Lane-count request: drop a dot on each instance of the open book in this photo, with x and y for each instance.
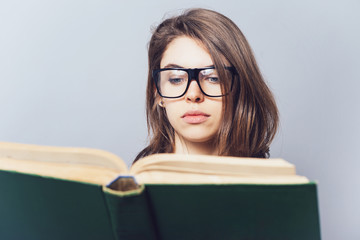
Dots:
(78, 193)
(101, 167)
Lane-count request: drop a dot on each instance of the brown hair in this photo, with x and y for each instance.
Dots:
(250, 115)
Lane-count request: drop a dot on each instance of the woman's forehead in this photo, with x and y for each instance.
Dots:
(186, 52)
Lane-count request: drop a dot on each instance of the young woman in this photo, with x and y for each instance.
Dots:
(205, 93)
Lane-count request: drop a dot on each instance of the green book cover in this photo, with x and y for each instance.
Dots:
(236, 211)
(34, 207)
(46, 205)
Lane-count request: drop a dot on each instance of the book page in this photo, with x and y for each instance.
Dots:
(80, 164)
(84, 156)
(66, 171)
(177, 168)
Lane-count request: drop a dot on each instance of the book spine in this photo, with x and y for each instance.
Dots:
(130, 214)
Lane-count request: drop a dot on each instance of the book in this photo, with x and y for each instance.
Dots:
(77, 193)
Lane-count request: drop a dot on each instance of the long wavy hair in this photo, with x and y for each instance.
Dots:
(250, 116)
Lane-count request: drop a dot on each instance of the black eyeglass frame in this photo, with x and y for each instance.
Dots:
(193, 74)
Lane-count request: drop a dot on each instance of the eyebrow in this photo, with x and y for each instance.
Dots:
(172, 65)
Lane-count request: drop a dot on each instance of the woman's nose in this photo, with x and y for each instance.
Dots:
(194, 94)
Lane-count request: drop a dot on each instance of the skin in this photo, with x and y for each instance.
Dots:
(191, 138)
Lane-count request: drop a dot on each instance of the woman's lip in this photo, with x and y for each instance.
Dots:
(195, 117)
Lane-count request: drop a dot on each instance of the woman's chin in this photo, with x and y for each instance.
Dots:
(199, 139)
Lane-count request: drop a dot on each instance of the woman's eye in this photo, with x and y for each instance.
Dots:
(213, 80)
(176, 81)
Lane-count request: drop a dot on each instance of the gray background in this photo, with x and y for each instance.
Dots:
(73, 73)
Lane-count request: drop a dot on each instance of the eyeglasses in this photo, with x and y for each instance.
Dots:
(174, 82)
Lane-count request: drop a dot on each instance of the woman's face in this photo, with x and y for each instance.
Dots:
(194, 116)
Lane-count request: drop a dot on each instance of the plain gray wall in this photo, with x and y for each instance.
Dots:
(73, 73)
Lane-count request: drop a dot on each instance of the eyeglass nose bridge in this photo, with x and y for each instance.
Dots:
(193, 75)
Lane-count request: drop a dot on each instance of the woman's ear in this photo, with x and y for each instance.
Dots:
(159, 100)
(161, 103)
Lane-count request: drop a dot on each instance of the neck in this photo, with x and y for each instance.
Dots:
(183, 146)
